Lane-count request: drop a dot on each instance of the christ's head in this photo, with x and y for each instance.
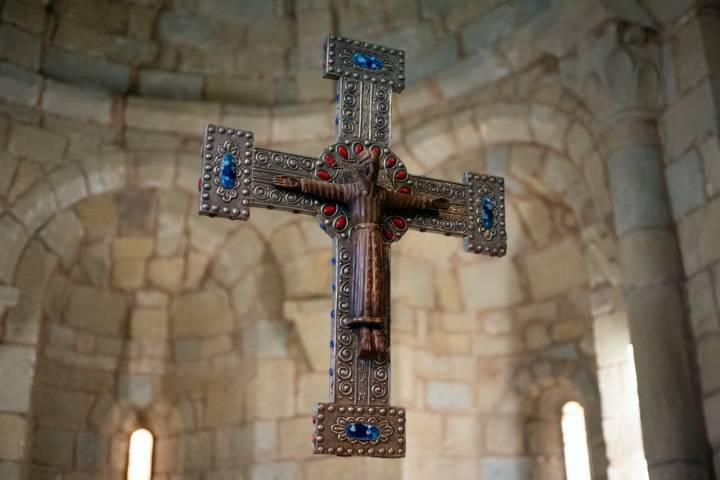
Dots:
(369, 168)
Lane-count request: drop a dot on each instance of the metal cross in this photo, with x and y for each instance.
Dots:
(236, 175)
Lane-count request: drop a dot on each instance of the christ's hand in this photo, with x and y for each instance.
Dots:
(439, 203)
(286, 181)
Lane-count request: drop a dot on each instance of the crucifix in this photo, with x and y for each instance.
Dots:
(362, 195)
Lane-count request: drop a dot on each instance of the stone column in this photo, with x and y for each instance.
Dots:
(620, 79)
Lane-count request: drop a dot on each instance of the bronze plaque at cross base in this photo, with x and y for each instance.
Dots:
(364, 198)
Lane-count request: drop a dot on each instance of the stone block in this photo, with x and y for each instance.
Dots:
(12, 441)
(132, 247)
(224, 406)
(504, 435)
(106, 172)
(13, 238)
(691, 117)
(463, 436)
(431, 425)
(199, 451)
(479, 294)
(649, 256)
(18, 85)
(99, 216)
(18, 370)
(569, 269)
(27, 15)
(448, 396)
(180, 118)
(187, 350)
(128, 273)
(149, 323)
(638, 189)
(68, 183)
(710, 150)
(269, 339)
(173, 207)
(157, 83)
(166, 272)
(481, 69)
(79, 103)
(232, 264)
(711, 405)
(54, 447)
(19, 47)
(136, 389)
(11, 470)
(689, 60)
(63, 235)
(433, 60)
(412, 282)
(506, 468)
(188, 30)
(31, 142)
(271, 393)
(293, 434)
(685, 183)
(708, 362)
(275, 471)
(96, 310)
(91, 450)
(85, 70)
(487, 30)
(201, 314)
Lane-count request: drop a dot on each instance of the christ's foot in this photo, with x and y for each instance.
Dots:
(378, 341)
(366, 349)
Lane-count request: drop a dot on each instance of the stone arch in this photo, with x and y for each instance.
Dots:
(545, 386)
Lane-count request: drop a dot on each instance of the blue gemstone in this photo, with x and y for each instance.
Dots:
(333, 260)
(334, 287)
(228, 171)
(332, 313)
(330, 372)
(337, 120)
(362, 431)
(488, 213)
(371, 62)
(332, 343)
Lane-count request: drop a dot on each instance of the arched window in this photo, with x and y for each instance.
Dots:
(577, 460)
(140, 455)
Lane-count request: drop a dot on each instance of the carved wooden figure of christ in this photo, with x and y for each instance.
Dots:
(364, 198)
(366, 201)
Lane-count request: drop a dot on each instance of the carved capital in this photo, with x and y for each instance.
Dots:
(617, 71)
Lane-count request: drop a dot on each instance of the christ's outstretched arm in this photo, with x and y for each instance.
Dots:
(402, 201)
(327, 191)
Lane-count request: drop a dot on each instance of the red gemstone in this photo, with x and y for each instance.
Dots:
(323, 175)
(330, 160)
(341, 222)
(358, 147)
(388, 234)
(376, 150)
(401, 175)
(329, 209)
(314, 419)
(405, 189)
(199, 184)
(399, 223)
(391, 161)
(343, 151)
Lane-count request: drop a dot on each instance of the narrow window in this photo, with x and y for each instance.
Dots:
(140, 455)
(577, 460)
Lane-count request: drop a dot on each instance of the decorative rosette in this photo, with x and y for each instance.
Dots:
(393, 228)
(334, 218)
(341, 426)
(398, 174)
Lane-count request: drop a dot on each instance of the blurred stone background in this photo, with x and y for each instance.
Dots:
(120, 307)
